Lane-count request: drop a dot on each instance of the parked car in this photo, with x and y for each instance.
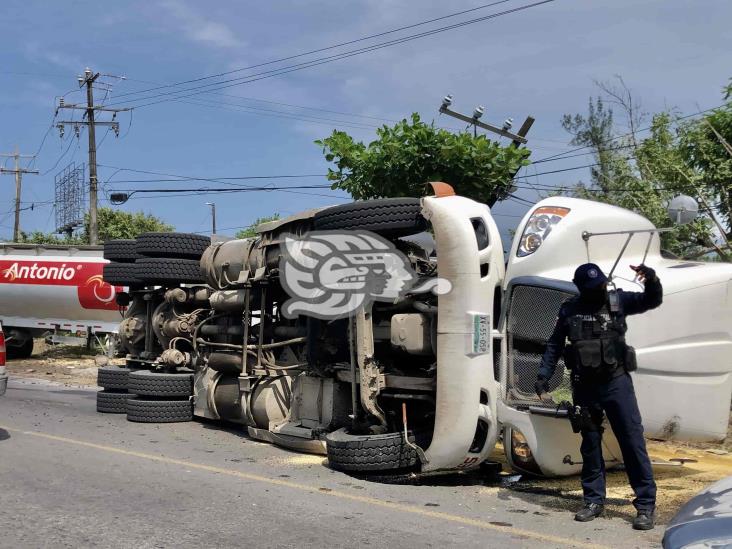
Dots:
(3, 374)
(704, 521)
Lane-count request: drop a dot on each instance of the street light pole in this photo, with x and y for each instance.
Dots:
(213, 216)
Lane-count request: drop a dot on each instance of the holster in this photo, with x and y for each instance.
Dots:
(582, 419)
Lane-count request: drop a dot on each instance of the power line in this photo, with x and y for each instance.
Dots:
(239, 177)
(283, 70)
(181, 178)
(291, 105)
(319, 50)
(281, 114)
(618, 148)
(208, 190)
(561, 156)
(566, 169)
(222, 190)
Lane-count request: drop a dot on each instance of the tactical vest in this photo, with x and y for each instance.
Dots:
(597, 343)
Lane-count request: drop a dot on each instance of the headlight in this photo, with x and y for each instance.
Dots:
(519, 447)
(537, 229)
(521, 456)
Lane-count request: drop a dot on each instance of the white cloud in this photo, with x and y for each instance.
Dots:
(36, 52)
(199, 29)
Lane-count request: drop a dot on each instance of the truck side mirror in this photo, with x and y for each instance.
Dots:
(682, 209)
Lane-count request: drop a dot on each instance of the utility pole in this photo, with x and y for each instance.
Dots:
(517, 138)
(18, 171)
(213, 216)
(90, 109)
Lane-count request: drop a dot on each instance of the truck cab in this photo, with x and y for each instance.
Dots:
(684, 348)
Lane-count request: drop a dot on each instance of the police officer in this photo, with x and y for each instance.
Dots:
(594, 323)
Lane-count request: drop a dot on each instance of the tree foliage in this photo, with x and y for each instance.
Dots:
(111, 224)
(412, 153)
(251, 230)
(678, 157)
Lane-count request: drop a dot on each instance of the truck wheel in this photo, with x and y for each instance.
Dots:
(112, 377)
(391, 217)
(120, 250)
(121, 274)
(17, 352)
(388, 452)
(159, 411)
(112, 402)
(168, 271)
(181, 245)
(156, 384)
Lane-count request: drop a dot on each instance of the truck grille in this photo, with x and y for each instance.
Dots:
(532, 313)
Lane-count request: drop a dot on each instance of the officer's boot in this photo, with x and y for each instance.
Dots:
(589, 512)
(644, 520)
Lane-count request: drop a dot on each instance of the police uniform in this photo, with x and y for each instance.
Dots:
(599, 359)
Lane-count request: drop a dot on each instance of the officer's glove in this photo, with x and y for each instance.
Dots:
(541, 386)
(645, 273)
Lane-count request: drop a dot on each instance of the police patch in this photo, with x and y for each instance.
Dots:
(592, 273)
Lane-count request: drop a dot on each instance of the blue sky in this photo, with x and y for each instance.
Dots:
(541, 61)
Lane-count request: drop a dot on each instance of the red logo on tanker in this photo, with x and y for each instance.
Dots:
(92, 291)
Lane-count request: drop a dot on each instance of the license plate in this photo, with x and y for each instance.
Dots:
(481, 337)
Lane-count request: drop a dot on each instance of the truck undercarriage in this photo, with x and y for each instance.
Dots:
(348, 386)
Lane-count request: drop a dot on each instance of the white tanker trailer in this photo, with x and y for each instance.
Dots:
(49, 288)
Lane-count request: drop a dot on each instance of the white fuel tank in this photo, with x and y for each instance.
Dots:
(56, 287)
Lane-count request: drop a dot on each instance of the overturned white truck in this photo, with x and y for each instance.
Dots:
(423, 381)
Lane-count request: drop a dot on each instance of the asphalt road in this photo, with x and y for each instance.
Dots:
(71, 477)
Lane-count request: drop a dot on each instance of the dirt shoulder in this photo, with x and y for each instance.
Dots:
(70, 365)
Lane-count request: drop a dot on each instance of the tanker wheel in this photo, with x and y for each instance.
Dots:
(180, 245)
(165, 272)
(154, 384)
(390, 217)
(371, 453)
(120, 250)
(121, 274)
(24, 350)
(159, 411)
(112, 402)
(112, 377)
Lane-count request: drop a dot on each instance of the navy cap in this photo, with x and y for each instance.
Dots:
(589, 276)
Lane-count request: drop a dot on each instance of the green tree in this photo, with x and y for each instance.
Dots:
(251, 230)
(410, 154)
(706, 148)
(119, 224)
(112, 224)
(642, 174)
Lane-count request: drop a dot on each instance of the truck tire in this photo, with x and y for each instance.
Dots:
(121, 274)
(110, 402)
(18, 352)
(370, 453)
(159, 411)
(112, 377)
(154, 384)
(180, 245)
(392, 217)
(174, 271)
(120, 250)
